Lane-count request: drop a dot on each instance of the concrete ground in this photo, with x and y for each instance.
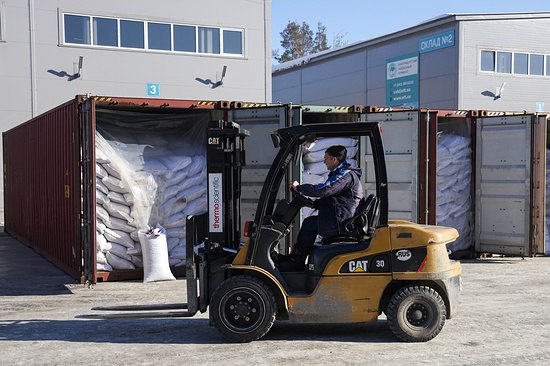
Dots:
(504, 320)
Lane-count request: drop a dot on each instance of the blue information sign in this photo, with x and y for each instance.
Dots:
(153, 90)
(402, 81)
(437, 41)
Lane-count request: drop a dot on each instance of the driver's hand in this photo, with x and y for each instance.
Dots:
(293, 185)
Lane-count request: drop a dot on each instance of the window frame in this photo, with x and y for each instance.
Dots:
(494, 60)
(117, 32)
(222, 41)
(545, 63)
(2, 21)
(196, 27)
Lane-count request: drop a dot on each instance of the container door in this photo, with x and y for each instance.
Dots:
(88, 228)
(503, 185)
(259, 152)
(541, 242)
(400, 131)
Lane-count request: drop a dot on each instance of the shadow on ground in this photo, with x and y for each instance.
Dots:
(178, 331)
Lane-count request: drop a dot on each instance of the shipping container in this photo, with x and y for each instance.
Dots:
(430, 167)
(510, 185)
(54, 199)
(483, 169)
(50, 170)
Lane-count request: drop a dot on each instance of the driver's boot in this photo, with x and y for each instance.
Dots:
(294, 262)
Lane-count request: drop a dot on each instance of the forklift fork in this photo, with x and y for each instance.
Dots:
(195, 235)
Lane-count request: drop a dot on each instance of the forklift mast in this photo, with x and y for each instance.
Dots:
(225, 158)
(219, 228)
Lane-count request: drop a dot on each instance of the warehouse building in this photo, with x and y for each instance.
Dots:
(206, 50)
(456, 61)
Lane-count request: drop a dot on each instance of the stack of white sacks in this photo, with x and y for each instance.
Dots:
(133, 191)
(315, 171)
(454, 171)
(547, 216)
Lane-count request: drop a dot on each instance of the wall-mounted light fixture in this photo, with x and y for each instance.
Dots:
(220, 82)
(77, 74)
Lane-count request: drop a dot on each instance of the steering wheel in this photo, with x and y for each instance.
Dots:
(305, 200)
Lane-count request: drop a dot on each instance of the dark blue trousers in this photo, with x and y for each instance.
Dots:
(307, 235)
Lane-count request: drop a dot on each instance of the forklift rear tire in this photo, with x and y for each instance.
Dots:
(243, 309)
(416, 313)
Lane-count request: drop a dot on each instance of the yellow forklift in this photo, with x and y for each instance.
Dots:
(375, 266)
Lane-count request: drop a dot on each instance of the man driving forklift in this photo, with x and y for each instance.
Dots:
(338, 196)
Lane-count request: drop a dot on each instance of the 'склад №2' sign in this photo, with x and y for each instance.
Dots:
(437, 41)
(402, 81)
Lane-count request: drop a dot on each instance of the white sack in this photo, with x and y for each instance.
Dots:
(119, 250)
(177, 220)
(118, 198)
(323, 144)
(100, 186)
(104, 267)
(100, 226)
(119, 224)
(100, 257)
(178, 252)
(196, 207)
(155, 258)
(112, 171)
(101, 157)
(179, 233)
(192, 193)
(102, 214)
(120, 237)
(119, 263)
(316, 168)
(118, 210)
(101, 243)
(136, 250)
(100, 197)
(172, 206)
(114, 184)
(100, 171)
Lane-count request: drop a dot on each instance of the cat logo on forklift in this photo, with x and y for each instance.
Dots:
(358, 266)
(213, 141)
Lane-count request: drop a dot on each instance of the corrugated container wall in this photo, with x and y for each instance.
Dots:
(42, 186)
(50, 172)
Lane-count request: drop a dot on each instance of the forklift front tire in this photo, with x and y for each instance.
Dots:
(416, 313)
(243, 309)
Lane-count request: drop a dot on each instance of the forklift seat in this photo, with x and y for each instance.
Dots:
(361, 225)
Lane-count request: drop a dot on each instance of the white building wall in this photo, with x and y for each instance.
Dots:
(521, 92)
(35, 65)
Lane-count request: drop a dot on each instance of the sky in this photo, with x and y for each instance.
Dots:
(359, 20)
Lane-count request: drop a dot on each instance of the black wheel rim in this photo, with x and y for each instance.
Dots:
(419, 314)
(242, 309)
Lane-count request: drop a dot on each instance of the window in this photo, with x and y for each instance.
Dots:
(536, 64)
(504, 62)
(131, 34)
(77, 29)
(232, 42)
(185, 38)
(548, 65)
(209, 40)
(105, 32)
(521, 63)
(100, 31)
(487, 61)
(159, 36)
